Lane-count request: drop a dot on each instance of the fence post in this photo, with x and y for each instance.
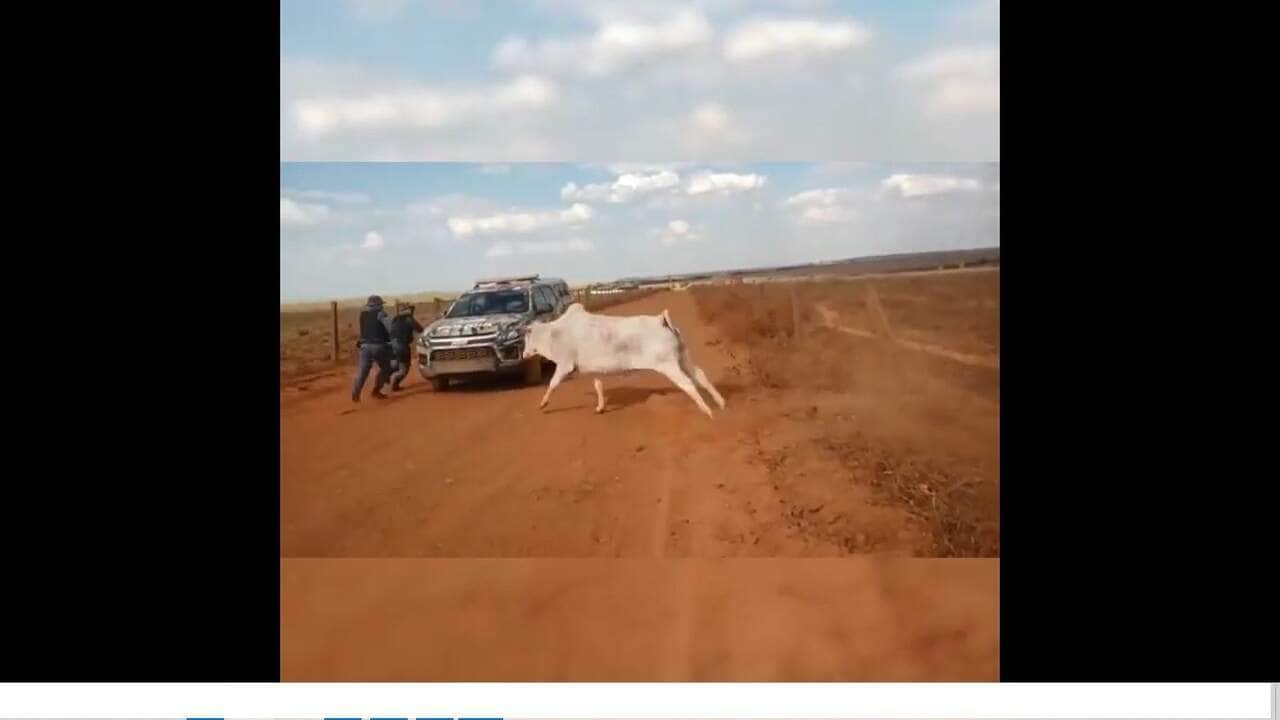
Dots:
(333, 310)
(795, 314)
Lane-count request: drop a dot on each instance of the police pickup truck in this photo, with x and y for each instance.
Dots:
(480, 333)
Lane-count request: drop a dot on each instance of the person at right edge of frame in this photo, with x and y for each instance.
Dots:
(403, 326)
(375, 348)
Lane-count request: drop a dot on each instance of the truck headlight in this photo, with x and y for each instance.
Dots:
(510, 335)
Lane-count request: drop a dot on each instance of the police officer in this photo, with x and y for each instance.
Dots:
(403, 326)
(375, 347)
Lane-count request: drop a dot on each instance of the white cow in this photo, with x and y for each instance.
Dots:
(607, 345)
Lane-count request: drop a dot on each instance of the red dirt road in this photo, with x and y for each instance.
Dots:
(532, 620)
(482, 472)
(467, 535)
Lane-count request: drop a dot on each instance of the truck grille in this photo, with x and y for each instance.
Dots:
(473, 353)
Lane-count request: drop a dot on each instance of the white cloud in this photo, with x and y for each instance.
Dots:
(837, 167)
(301, 214)
(372, 241)
(660, 92)
(950, 62)
(766, 37)
(710, 129)
(519, 222)
(724, 183)
(628, 186)
(539, 247)
(959, 80)
(909, 185)
(377, 10)
(823, 206)
(335, 197)
(981, 17)
(420, 108)
(622, 168)
(676, 231)
(832, 214)
(669, 202)
(451, 204)
(821, 196)
(843, 211)
(424, 209)
(710, 118)
(602, 12)
(616, 45)
(495, 169)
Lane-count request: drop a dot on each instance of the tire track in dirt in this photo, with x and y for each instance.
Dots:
(662, 518)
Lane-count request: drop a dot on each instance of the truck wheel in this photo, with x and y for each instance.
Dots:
(533, 371)
(439, 384)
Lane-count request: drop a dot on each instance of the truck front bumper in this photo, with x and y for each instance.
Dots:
(469, 360)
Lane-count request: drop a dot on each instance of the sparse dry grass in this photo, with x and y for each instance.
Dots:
(960, 511)
(771, 319)
(924, 411)
(306, 338)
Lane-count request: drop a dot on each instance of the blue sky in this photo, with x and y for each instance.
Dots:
(351, 229)
(451, 40)
(586, 80)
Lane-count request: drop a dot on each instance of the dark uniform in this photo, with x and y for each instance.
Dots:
(402, 329)
(375, 347)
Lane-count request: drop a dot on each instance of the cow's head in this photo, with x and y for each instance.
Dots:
(535, 340)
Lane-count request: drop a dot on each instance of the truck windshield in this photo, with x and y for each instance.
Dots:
(489, 303)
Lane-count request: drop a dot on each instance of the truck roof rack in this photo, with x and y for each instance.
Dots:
(493, 282)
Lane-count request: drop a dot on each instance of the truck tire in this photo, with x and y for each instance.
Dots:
(533, 371)
(439, 384)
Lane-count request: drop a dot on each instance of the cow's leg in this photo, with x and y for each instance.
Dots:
(562, 369)
(686, 364)
(599, 395)
(682, 381)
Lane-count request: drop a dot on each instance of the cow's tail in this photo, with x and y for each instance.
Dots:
(666, 320)
(693, 372)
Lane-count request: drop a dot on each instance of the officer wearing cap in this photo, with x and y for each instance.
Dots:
(403, 326)
(375, 347)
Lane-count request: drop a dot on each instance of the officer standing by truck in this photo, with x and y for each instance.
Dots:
(375, 347)
(403, 326)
